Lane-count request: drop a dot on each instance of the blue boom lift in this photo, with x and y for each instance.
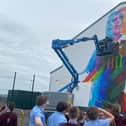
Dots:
(103, 47)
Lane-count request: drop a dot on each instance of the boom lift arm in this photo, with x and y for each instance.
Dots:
(102, 48)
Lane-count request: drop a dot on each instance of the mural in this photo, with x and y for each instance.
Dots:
(108, 73)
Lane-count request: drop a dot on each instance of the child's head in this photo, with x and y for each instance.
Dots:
(74, 113)
(92, 113)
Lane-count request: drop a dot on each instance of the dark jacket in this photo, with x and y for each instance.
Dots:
(69, 124)
(8, 119)
(120, 121)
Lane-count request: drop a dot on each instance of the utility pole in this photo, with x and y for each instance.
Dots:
(32, 93)
(14, 80)
(13, 85)
(33, 83)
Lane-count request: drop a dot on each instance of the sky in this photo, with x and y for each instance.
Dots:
(27, 28)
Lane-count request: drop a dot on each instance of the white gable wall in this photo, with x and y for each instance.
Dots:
(79, 55)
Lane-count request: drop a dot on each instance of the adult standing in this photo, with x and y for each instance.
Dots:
(37, 116)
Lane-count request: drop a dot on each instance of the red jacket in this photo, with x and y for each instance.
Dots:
(120, 121)
(8, 119)
(69, 124)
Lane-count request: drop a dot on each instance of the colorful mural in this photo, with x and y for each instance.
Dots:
(108, 73)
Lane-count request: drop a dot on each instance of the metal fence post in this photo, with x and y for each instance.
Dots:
(22, 118)
(32, 93)
(14, 80)
(33, 83)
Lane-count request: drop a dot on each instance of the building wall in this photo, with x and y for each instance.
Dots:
(79, 55)
(59, 78)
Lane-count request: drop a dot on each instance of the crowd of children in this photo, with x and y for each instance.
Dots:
(69, 115)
